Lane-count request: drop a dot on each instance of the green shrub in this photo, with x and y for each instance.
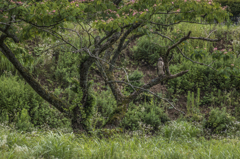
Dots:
(105, 105)
(202, 77)
(148, 114)
(66, 68)
(181, 129)
(23, 121)
(218, 120)
(16, 96)
(147, 50)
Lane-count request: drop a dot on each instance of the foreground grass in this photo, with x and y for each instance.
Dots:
(48, 144)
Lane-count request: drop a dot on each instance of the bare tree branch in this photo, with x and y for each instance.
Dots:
(53, 47)
(177, 43)
(148, 92)
(8, 34)
(60, 37)
(154, 82)
(183, 53)
(180, 22)
(205, 39)
(120, 45)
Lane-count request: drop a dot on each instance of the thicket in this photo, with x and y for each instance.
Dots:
(218, 120)
(20, 104)
(144, 116)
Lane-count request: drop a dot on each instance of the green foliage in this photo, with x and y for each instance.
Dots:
(181, 129)
(148, 114)
(16, 96)
(201, 77)
(4, 117)
(66, 68)
(150, 49)
(192, 103)
(233, 6)
(146, 50)
(218, 120)
(105, 105)
(23, 121)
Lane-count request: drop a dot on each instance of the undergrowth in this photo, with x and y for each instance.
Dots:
(181, 141)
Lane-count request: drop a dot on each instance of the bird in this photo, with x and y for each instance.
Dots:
(160, 67)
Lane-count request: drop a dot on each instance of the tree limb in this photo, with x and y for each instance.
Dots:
(51, 98)
(120, 45)
(183, 53)
(148, 92)
(154, 82)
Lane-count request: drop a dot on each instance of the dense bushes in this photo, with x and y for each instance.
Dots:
(16, 97)
(201, 77)
(218, 120)
(105, 105)
(145, 115)
(149, 49)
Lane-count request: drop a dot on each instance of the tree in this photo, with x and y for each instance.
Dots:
(118, 22)
(232, 6)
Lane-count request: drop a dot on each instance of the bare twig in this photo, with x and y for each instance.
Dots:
(53, 47)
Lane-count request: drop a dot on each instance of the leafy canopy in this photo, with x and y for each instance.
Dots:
(104, 14)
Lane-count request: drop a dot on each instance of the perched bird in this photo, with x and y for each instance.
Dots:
(160, 67)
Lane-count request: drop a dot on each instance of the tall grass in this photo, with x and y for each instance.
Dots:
(49, 144)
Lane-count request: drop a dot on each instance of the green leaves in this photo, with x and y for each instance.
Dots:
(199, 54)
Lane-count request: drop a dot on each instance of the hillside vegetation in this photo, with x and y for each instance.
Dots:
(88, 88)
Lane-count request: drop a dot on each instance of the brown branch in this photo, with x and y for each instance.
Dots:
(131, 39)
(8, 34)
(165, 58)
(180, 22)
(148, 92)
(60, 37)
(120, 45)
(205, 39)
(154, 82)
(179, 42)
